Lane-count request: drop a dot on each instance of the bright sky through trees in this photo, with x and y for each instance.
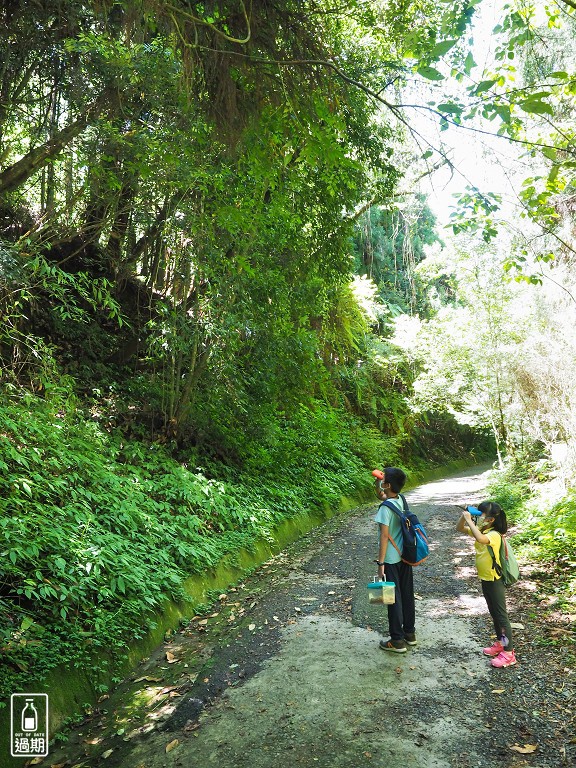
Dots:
(479, 156)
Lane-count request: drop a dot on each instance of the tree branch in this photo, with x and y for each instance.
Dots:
(213, 27)
(15, 175)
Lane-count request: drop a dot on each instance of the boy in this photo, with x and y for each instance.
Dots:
(402, 614)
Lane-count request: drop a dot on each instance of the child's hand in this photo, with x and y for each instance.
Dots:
(467, 516)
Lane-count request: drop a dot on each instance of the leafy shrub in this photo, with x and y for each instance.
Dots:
(548, 527)
(95, 531)
(554, 530)
(373, 448)
(513, 486)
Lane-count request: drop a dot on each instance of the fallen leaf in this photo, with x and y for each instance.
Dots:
(106, 754)
(213, 615)
(398, 670)
(251, 627)
(172, 745)
(170, 658)
(516, 625)
(499, 690)
(203, 623)
(527, 749)
(149, 679)
(222, 597)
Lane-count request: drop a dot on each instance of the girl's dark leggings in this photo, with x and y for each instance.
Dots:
(495, 594)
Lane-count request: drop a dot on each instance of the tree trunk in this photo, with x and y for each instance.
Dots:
(120, 223)
(14, 176)
(147, 240)
(197, 365)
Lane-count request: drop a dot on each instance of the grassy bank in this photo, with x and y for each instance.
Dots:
(97, 532)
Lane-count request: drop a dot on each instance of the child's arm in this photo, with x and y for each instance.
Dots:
(467, 525)
(462, 526)
(382, 549)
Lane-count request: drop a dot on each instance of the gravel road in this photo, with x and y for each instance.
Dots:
(285, 668)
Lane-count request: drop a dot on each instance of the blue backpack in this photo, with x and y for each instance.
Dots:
(414, 537)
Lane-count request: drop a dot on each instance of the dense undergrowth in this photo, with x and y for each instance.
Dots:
(97, 530)
(544, 513)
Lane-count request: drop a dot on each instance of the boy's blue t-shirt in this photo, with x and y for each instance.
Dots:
(386, 516)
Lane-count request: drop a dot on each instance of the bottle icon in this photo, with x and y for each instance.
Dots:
(29, 717)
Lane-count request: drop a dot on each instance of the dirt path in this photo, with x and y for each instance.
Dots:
(285, 669)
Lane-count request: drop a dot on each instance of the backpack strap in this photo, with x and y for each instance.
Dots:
(497, 567)
(395, 509)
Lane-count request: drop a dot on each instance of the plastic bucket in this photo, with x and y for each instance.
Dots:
(381, 592)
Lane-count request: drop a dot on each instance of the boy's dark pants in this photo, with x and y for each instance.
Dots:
(401, 615)
(495, 594)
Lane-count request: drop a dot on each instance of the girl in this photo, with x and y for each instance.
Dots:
(488, 531)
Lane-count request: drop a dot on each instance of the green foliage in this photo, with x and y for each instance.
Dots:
(553, 529)
(475, 213)
(190, 359)
(96, 531)
(512, 487)
(526, 490)
(388, 245)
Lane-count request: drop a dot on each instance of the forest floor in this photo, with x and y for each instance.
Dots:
(285, 668)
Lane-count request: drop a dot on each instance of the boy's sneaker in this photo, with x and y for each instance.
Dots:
(504, 659)
(410, 638)
(494, 650)
(396, 646)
